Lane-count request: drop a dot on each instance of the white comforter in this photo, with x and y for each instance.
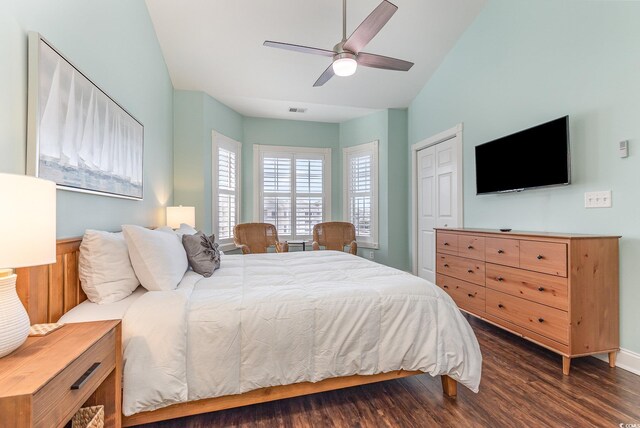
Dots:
(274, 319)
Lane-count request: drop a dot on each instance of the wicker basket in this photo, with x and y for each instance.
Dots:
(89, 417)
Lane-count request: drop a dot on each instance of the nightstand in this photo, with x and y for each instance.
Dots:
(45, 381)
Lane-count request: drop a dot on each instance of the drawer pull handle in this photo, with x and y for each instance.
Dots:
(471, 295)
(446, 244)
(85, 377)
(540, 288)
(470, 247)
(445, 286)
(540, 257)
(500, 251)
(540, 319)
(469, 270)
(500, 278)
(500, 305)
(446, 265)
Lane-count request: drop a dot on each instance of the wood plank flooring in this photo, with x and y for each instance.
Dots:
(522, 386)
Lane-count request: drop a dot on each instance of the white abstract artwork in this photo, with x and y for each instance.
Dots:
(81, 138)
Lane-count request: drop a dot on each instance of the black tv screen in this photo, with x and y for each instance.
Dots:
(535, 157)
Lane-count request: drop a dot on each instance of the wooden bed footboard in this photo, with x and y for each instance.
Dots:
(50, 291)
(264, 395)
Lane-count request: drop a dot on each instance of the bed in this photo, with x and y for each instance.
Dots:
(265, 327)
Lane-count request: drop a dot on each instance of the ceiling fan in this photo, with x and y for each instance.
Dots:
(347, 54)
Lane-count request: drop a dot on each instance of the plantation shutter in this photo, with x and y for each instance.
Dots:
(227, 186)
(277, 192)
(309, 198)
(360, 181)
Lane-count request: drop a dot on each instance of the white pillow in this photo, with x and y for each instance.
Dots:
(158, 257)
(185, 229)
(105, 270)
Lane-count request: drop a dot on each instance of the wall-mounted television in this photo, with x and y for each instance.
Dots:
(536, 157)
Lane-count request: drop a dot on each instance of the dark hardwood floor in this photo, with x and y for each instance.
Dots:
(522, 386)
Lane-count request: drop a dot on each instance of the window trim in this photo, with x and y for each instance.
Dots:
(219, 140)
(372, 147)
(260, 149)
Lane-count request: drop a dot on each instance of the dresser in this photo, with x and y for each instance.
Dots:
(45, 381)
(559, 291)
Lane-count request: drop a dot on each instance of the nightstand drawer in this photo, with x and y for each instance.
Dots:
(54, 403)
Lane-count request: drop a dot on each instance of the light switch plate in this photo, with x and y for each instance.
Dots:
(597, 199)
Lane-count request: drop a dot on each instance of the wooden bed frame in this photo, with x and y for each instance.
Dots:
(49, 291)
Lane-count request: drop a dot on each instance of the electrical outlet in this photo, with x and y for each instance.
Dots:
(597, 199)
(370, 255)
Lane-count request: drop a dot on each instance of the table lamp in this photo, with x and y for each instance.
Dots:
(178, 215)
(28, 238)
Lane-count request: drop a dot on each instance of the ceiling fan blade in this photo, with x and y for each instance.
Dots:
(324, 77)
(384, 62)
(298, 48)
(368, 29)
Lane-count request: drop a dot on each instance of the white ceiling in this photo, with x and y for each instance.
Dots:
(215, 46)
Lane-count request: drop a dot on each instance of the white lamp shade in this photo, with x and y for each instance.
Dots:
(28, 221)
(178, 215)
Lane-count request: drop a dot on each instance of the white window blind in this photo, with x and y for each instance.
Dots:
(294, 188)
(226, 188)
(361, 195)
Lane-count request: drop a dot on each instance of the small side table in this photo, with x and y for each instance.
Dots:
(47, 379)
(299, 243)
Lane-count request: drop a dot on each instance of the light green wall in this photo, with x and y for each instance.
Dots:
(114, 43)
(522, 63)
(196, 115)
(389, 127)
(275, 132)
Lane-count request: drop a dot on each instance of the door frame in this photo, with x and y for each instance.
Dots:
(455, 132)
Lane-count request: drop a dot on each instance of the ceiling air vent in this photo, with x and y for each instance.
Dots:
(297, 110)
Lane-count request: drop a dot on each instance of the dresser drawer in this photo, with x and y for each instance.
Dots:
(446, 242)
(57, 396)
(458, 267)
(546, 289)
(546, 257)
(549, 322)
(466, 295)
(471, 247)
(503, 251)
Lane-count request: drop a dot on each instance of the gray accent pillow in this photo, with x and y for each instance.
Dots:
(202, 253)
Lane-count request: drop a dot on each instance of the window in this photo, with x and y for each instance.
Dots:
(360, 180)
(293, 188)
(226, 188)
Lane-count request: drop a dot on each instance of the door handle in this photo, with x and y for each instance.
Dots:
(500, 252)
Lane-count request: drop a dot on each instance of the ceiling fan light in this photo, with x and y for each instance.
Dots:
(344, 66)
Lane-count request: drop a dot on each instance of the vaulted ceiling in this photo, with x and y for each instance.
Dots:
(215, 46)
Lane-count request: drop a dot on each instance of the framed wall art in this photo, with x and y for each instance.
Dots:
(78, 136)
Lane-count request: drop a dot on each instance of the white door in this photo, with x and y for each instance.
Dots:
(437, 174)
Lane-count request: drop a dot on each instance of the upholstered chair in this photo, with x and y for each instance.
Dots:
(255, 238)
(335, 235)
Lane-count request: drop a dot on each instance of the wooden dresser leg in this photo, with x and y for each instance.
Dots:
(612, 358)
(566, 365)
(449, 386)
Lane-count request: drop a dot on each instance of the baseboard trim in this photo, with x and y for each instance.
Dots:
(626, 360)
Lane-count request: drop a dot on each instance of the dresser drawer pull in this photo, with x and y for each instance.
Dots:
(500, 278)
(540, 288)
(470, 247)
(85, 377)
(446, 265)
(500, 251)
(446, 244)
(540, 319)
(469, 270)
(500, 305)
(445, 286)
(471, 295)
(539, 257)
